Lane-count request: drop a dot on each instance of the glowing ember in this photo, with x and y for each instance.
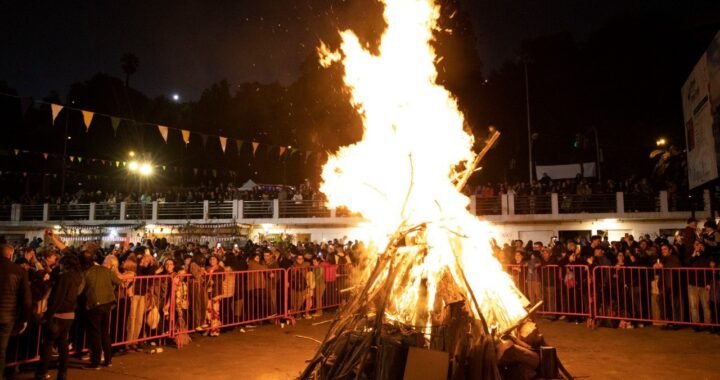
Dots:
(402, 171)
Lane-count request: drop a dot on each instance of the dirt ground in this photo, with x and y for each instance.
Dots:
(270, 352)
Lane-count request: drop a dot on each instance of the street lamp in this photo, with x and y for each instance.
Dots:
(133, 166)
(131, 153)
(145, 169)
(660, 142)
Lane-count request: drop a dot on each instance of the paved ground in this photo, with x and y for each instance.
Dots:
(273, 353)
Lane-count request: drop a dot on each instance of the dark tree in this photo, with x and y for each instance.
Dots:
(130, 63)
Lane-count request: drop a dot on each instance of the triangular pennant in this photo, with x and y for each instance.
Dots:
(79, 159)
(117, 164)
(239, 144)
(214, 173)
(45, 155)
(255, 146)
(115, 121)
(195, 170)
(17, 151)
(185, 136)
(223, 143)
(307, 155)
(87, 118)
(282, 151)
(164, 167)
(55, 109)
(163, 132)
(204, 138)
(72, 158)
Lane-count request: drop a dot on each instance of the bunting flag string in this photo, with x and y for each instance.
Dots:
(87, 118)
(223, 143)
(239, 144)
(163, 132)
(115, 121)
(55, 109)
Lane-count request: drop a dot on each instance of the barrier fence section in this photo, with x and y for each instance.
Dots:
(312, 289)
(680, 296)
(564, 290)
(141, 314)
(149, 308)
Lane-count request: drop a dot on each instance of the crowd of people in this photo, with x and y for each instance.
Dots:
(578, 186)
(211, 192)
(124, 292)
(673, 283)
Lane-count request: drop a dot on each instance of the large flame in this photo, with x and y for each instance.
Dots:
(400, 173)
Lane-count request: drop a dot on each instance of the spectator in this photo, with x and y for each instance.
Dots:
(699, 284)
(15, 301)
(671, 289)
(100, 293)
(60, 315)
(214, 293)
(319, 278)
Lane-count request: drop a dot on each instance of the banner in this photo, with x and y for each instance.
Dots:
(185, 136)
(701, 114)
(87, 118)
(163, 132)
(565, 171)
(223, 143)
(55, 109)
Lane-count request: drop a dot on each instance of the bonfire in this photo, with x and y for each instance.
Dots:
(432, 298)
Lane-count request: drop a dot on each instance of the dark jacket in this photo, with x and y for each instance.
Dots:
(99, 288)
(63, 298)
(15, 296)
(699, 277)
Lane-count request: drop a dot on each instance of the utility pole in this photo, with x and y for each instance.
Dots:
(527, 108)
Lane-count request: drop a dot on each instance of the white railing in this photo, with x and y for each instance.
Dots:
(500, 207)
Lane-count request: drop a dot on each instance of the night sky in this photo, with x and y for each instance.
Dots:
(184, 45)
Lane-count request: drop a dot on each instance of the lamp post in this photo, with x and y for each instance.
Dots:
(142, 170)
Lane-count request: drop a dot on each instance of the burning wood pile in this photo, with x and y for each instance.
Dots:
(434, 303)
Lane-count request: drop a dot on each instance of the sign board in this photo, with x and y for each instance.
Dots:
(701, 114)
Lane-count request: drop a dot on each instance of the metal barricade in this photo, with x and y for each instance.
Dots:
(679, 296)
(69, 211)
(29, 212)
(220, 210)
(533, 204)
(107, 211)
(138, 211)
(564, 290)
(179, 210)
(303, 209)
(312, 289)
(257, 209)
(488, 205)
(587, 203)
(142, 313)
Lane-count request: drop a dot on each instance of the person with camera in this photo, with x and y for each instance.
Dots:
(59, 316)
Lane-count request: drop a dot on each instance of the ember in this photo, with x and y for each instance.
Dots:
(436, 285)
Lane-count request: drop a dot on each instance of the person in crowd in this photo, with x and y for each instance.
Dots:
(689, 235)
(271, 282)
(671, 285)
(699, 280)
(214, 283)
(99, 290)
(198, 292)
(15, 301)
(549, 272)
(319, 278)
(59, 316)
(257, 301)
(533, 279)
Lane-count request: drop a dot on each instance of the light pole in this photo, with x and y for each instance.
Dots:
(527, 108)
(142, 170)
